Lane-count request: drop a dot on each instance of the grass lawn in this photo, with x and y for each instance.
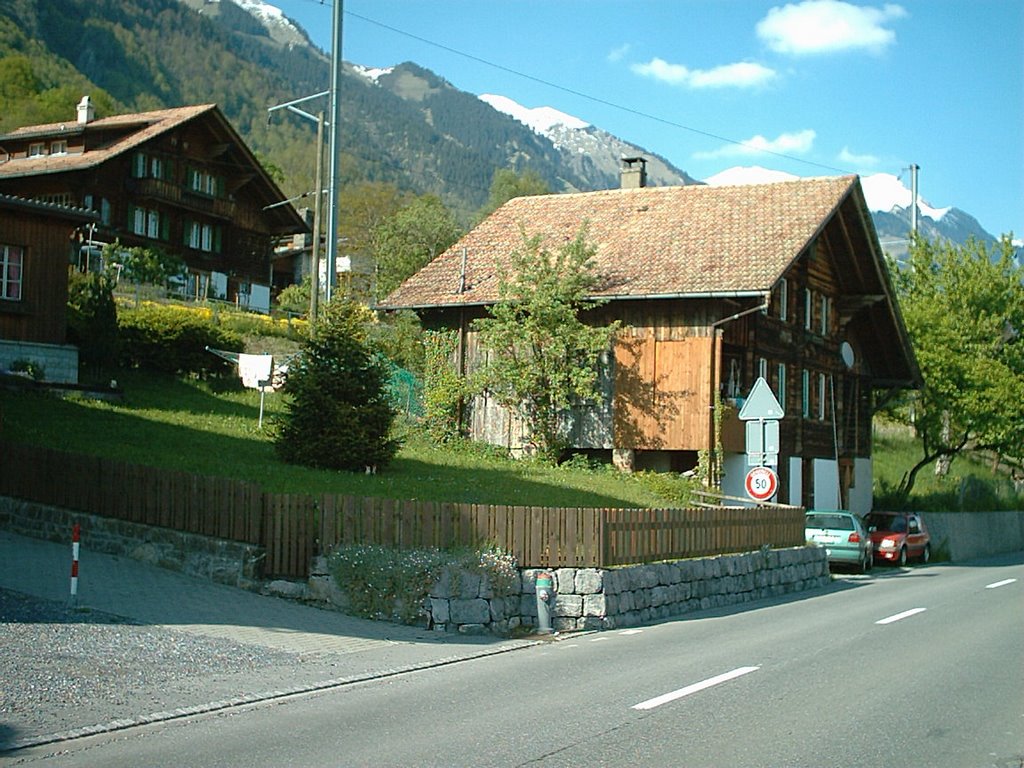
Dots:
(212, 428)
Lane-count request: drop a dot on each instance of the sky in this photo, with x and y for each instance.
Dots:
(818, 87)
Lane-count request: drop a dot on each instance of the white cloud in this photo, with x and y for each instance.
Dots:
(784, 144)
(858, 161)
(826, 26)
(618, 54)
(739, 75)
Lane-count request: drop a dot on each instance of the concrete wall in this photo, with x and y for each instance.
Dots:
(59, 362)
(966, 535)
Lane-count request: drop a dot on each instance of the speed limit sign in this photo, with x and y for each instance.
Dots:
(761, 483)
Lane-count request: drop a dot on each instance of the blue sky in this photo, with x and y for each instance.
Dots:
(813, 88)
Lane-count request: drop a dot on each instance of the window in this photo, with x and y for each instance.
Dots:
(762, 368)
(58, 147)
(203, 237)
(148, 223)
(205, 183)
(784, 300)
(822, 400)
(806, 399)
(824, 315)
(148, 166)
(808, 308)
(780, 384)
(12, 266)
(36, 149)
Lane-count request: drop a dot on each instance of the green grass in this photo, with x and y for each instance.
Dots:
(211, 428)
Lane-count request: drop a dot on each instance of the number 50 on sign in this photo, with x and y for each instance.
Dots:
(761, 483)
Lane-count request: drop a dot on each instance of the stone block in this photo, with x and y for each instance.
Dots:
(595, 605)
(439, 610)
(565, 580)
(472, 611)
(567, 606)
(588, 581)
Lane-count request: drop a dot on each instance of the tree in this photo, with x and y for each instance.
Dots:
(337, 413)
(507, 184)
(543, 358)
(92, 318)
(144, 265)
(964, 310)
(410, 239)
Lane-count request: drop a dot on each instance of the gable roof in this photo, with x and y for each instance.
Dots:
(652, 242)
(109, 137)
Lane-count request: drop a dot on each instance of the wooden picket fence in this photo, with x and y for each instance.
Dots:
(293, 528)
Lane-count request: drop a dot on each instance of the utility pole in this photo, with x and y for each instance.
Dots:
(914, 168)
(332, 210)
(314, 256)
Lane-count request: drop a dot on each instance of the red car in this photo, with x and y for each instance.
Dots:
(899, 536)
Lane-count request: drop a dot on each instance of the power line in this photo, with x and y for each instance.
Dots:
(591, 97)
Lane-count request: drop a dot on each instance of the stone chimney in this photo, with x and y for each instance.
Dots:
(86, 114)
(634, 172)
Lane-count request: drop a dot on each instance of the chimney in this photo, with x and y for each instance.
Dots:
(634, 172)
(86, 113)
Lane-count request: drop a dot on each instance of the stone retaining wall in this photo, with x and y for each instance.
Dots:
(592, 598)
(225, 562)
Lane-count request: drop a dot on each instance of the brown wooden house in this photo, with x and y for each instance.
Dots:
(715, 287)
(37, 241)
(177, 179)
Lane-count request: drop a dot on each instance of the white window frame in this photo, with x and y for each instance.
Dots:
(806, 403)
(12, 259)
(808, 308)
(825, 304)
(784, 300)
(822, 400)
(59, 147)
(780, 384)
(37, 149)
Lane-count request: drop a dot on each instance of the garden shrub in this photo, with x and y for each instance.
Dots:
(92, 318)
(173, 339)
(386, 583)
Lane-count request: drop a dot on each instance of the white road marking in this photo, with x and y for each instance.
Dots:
(998, 584)
(899, 616)
(598, 639)
(657, 701)
(631, 632)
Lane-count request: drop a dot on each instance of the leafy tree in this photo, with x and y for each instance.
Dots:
(92, 318)
(144, 265)
(296, 298)
(544, 358)
(337, 413)
(964, 310)
(410, 239)
(507, 184)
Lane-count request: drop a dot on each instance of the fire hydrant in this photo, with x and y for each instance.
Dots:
(545, 598)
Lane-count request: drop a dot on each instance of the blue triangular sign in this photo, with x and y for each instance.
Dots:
(761, 403)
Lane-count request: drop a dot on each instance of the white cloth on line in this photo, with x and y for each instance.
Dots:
(255, 369)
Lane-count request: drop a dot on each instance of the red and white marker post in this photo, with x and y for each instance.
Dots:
(75, 536)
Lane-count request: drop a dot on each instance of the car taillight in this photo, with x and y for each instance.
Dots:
(854, 538)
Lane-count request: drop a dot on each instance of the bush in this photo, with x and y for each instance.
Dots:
(337, 411)
(385, 583)
(173, 339)
(92, 318)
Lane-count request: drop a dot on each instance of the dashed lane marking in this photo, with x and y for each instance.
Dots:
(900, 616)
(657, 701)
(997, 584)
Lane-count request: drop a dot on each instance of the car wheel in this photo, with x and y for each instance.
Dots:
(926, 555)
(903, 557)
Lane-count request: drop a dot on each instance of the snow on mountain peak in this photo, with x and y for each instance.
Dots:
(540, 119)
(753, 174)
(884, 192)
(265, 12)
(372, 73)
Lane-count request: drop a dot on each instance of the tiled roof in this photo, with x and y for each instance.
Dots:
(136, 129)
(651, 242)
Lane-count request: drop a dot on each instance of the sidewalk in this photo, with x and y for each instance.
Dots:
(323, 648)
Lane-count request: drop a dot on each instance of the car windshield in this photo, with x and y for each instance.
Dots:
(840, 522)
(894, 523)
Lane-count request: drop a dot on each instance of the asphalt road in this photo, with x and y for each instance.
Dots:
(922, 667)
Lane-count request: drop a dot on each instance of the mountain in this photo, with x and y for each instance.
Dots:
(403, 125)
(889, 202)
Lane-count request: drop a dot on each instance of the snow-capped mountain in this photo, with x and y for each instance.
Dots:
(888, 200)
(280, 28)
(589, 151)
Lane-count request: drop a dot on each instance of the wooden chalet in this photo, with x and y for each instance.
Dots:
(37, 240)
(715, 287)
(177, 179)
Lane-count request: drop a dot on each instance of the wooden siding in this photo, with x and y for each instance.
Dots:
(41, 314)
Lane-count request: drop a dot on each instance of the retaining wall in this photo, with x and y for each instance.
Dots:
(593, 598)
(225, 562)
(967, 535)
